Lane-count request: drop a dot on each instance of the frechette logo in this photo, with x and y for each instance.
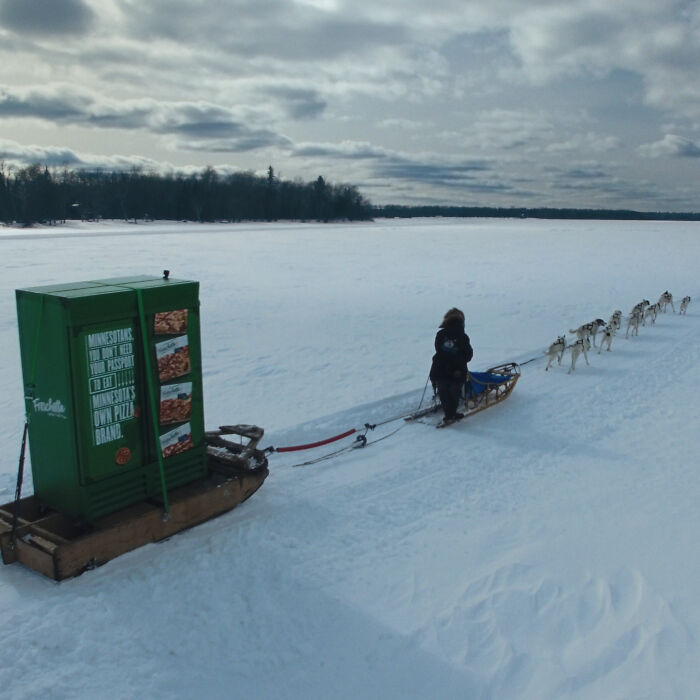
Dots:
(52, 407)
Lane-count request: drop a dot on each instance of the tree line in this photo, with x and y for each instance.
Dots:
(36, 194)
(398, 211)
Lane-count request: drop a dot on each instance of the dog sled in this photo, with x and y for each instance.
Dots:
(57, 546)
(482, 390)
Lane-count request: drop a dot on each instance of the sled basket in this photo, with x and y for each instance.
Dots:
(482, 390)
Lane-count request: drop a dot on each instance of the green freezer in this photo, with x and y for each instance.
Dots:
(113, 376)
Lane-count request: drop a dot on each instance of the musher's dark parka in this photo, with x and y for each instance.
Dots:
(453, 351)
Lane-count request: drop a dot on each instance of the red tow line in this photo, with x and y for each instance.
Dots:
(295, 448)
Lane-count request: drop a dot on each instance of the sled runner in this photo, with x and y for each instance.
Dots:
(59, 547)
(482, 390)
(444, 422)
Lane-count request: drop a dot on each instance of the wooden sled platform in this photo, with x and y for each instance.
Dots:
(484, 389)
(54, 545)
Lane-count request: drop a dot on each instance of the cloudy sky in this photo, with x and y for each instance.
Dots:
(585, 103)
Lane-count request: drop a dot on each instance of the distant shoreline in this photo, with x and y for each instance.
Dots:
(392, 211)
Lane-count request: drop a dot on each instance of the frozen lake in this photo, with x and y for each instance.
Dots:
(545, 548)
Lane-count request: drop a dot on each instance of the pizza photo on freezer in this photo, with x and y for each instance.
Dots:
(170, 322)
(173, 358)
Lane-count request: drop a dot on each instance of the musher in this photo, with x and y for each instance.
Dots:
(448, 372)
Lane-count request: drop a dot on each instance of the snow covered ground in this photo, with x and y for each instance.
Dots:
(546, 548)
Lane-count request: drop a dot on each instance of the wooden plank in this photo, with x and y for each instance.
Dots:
(30, 535)
(42, 543)
(218, 441)
(29, 509)
(252, 432)
(186, 511)
(6, 520)
(38, 531)
(56, 526)
(26, 539)
(36, 559)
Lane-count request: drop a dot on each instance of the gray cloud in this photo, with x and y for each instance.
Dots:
(198, 125)
(242, 142)
(469, 176)
(21, 155)
(585, 142)
(605, 185)
(510, 129)
(277, 29)
(43, 104)
(346, 150)
(46, 17)
(673, 146)
(35, 155)
(585, 173)
(298, 103)
(645, 194)
(383, 164)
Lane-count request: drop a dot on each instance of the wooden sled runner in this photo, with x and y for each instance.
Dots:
(56, 546)
(483, 390)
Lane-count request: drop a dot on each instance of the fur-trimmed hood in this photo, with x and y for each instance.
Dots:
(454, 315)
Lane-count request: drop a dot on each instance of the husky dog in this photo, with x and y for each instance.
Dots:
(595, 327)
(665, 299)
(580, 346)
(615, 321)
(582, 332)
(608, 333)
(639, 308)
(555, 351)
(684, 305)
(633, 322)
(650, 313)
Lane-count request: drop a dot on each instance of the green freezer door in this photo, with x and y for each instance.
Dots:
(108, 397)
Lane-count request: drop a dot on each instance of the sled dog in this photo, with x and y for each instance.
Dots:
(555, 351)
(608, 333)
(684, 305)
(595, 327)
(665, 299)
(581, 332)
(639, 308)
(580, 346)
(650, 314)
(615, 321)
(633, 323)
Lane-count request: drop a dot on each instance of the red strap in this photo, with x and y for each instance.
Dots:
(294, 448)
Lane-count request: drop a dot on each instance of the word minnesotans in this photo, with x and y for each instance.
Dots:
(120, 335)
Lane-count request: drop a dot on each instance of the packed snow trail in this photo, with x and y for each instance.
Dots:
(543, 548)
(555, 522)
(396, 408)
